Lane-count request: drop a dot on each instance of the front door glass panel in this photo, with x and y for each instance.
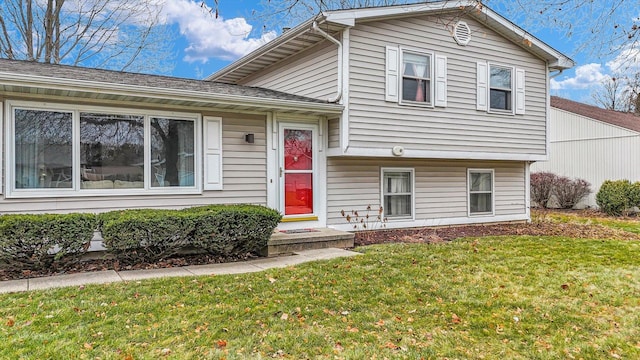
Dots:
(298, 171)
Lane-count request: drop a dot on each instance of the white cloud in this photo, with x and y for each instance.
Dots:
(211, 37)
(628, 60)
(586, 76)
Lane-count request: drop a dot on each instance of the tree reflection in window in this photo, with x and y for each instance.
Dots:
(172, 149)
(43, 149)
(112, 148)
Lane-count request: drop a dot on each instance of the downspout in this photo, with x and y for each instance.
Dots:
(317, 29)
(559, 72)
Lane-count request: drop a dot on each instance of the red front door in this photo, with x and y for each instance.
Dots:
(298, 170)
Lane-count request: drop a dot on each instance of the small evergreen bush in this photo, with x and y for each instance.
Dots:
(234, 229)
(614, 197)
(146, 235)
(37, 241)
(223, 230)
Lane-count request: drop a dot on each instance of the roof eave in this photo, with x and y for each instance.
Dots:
(45, 82)
(279, 41)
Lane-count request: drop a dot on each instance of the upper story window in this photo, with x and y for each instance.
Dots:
(58, 151)
(416, 78)
(500, 88)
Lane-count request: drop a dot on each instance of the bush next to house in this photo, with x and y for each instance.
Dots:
(222, 230)
(145, 235)
(618, 197)
(548, 189)
(542, 184)
(569, 192)
(233, 229)
(36, 241)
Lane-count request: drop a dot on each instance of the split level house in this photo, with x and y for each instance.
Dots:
(593, 144)
(432, 111)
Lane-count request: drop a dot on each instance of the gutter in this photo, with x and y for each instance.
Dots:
(44, 82)
(317, 29)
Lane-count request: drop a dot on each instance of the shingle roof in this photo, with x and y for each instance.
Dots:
(136, 79)
(622, 119)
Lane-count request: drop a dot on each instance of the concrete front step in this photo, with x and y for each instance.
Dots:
(288, 242)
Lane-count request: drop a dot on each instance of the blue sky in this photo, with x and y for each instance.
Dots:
(205, 44)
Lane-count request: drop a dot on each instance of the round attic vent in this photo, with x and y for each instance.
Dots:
(462, 33)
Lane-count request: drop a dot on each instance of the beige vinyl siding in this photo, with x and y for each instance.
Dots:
(376, 123)
(440, 186)
(334, 133)
(312, 73)
(244, 171)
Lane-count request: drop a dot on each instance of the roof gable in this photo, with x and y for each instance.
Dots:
(625, 120)
(303, 36)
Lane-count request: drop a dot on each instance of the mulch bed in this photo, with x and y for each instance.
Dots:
(434, 235)
(417, 235)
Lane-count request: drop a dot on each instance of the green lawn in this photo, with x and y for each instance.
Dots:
(493, 298)
(630, 224)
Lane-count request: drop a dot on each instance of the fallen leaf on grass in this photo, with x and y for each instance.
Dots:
(221, 343)
(10, 322)
(455, 319)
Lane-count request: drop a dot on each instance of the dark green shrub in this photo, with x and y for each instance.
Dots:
(614, 197)
(233, 229)
(36, 241)
(634, 194)
(146, 235)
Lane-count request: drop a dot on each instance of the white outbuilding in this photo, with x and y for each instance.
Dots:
(593, 144)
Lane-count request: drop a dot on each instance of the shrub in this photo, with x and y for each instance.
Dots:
(569, 192)
(227, 230)
(614, 196)
(223, 230)
(633, 194)
(542, 185)
(146, 235)
(36, 241)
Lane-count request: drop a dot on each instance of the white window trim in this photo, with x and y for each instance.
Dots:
(513, 89)
(76, 191)
(413, 192)
(432, 79)
(493, 192)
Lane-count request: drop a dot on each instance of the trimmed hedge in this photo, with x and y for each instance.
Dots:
(618, 197)
(233, 229)
(145, 235)
(36, 241)
(221, 230)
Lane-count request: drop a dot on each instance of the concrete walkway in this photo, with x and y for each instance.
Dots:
(109, 276)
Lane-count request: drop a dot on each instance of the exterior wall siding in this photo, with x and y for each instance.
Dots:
(312, 73)
(591, 150)
(440, 187)
(376, 123)
(244, 178)
(334, 133)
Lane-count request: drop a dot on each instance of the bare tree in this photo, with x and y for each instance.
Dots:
(602, 28)
(114, 34)
(619, 93)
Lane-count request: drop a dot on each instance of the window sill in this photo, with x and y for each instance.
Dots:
(501, 112)
(482, 214)
(415, 104)
(43, 193)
